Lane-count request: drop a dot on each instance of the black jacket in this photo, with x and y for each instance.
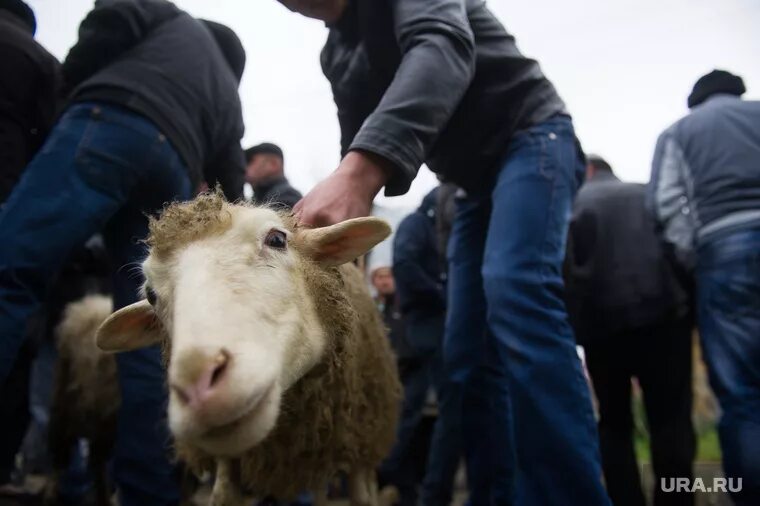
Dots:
(435, 81)
(617, 272)
(416, 263)
(277, 193)
(157, 60)
(29, 85)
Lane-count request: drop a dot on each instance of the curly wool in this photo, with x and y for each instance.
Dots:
(342, 414)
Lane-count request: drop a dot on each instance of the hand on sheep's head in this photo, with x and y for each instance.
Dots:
(231, 292)
(347, 193)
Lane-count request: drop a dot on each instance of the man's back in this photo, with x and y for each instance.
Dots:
(167, 66)
(618, 274)
(721, 144)
(706, 174)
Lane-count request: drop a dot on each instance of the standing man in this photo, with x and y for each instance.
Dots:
(705, 192)
(265, 172)
(153, 110)
(632, 317)
(442, 82)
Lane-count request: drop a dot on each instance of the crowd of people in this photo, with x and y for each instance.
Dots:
(503, 269)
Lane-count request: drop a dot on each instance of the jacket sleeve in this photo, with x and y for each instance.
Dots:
(408, 257)
(110, 29)
(670, 201)
(437, 66)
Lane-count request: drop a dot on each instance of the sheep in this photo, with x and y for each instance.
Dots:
(279, 370)
(86, 396)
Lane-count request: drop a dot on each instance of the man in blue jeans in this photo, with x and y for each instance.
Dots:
(153, 111)
(442, 82)
(705, 193)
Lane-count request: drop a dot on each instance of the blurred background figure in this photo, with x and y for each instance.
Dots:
(422, 300)
(382, 281)
(29, 85)
(265, 172)
(631, 315)
(143, 125)
(705, 193)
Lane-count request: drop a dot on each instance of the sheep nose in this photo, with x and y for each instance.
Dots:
(204, 375)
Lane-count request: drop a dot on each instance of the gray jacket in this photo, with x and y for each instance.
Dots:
(706, 174)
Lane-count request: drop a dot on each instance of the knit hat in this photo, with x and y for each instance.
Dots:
(21, 11)
(717, 81)
(265, 148)
(230, 44)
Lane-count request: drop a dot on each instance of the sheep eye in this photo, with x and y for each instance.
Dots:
(151, 296)
(276, 239)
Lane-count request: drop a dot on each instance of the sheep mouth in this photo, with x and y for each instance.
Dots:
(250, 410)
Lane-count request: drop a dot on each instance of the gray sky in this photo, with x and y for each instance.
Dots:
(624, 67)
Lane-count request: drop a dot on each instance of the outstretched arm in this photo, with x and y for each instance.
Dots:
(437, 66)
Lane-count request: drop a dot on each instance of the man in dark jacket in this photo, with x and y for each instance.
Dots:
(705, 193)
(633, 319)
(265, 172)
(29, 85)
(422, 298)
(442, 82)
(153, 110)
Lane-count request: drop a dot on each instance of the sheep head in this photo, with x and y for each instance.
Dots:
(226, 293)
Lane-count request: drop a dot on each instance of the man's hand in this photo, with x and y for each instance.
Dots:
(346, 193)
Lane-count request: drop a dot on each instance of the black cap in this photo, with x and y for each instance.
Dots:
(21, 11)
(230, 44)
(266, 148)
(717, 81)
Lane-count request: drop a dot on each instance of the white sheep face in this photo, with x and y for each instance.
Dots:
(241, 324)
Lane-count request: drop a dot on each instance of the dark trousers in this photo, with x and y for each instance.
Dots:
(660, 358)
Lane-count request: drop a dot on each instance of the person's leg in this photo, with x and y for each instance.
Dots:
(663, 367)
(487, 426)
(609, 367)
(554, 428)
(52, 209)
(728, 306)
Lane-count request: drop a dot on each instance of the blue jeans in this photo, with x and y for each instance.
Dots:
(529, 430)
(728, 311)
(102, 168)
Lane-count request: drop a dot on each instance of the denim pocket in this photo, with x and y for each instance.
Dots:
(735, 290)
(110, 156)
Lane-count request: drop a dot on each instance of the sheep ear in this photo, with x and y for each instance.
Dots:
(129, 328)
(344, 242)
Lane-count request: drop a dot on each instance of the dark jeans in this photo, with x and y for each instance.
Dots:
(509, 349)
(660, 358)
(102, 168)
(728, 306)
